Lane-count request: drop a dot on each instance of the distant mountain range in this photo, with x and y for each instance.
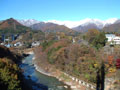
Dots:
(85, 28)
(50, 27)
(81, 26)
(110, 25)
(15, 26)
(28, 22)
(45, 26)
(72, 24)
(112, 28)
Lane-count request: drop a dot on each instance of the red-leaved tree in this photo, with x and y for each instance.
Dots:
(118, 63)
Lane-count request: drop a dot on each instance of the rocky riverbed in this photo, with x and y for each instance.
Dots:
(74, 83)
(38, 80)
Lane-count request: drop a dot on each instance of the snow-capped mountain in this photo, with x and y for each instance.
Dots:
(72, 24)
(83, 25)
(85, 22)
(95, 24)
(28, 22)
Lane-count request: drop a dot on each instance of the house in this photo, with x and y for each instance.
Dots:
(1, 43)
(35, 43)
(116, 40)
(8, 45)
(73, 40)
(17, 44)
(110, 37)
(113, 39)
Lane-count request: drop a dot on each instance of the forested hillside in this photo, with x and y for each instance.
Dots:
(10, 76)
(11, 26)
(75, 59)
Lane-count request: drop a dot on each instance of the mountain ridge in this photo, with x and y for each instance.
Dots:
(80, 26)
(71, 24)
(50, 27)
(53, 26)
(12, 26)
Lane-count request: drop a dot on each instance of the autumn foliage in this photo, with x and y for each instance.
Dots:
(118, 63)
(110, 60)
(9, 70)
(75, 59)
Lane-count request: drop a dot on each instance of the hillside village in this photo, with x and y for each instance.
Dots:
(59, 44)
(66, 53)
(14, 41)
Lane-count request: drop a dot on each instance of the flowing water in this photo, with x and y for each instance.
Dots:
(37, 80)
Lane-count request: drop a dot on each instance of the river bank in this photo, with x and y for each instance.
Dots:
(74, 83)
(40, 79)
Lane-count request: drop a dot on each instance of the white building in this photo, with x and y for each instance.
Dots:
(17, 44)
(113, 39)
(116, 40)
(73, 40)
(36, 43)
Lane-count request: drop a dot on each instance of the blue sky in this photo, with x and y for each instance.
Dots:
(72, 10)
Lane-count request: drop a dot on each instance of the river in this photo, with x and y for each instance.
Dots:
(37, 80)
